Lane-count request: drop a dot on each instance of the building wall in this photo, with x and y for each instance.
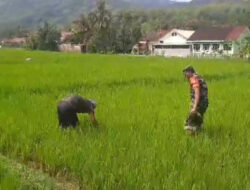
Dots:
(172, 52)
(235, 47)
(171, 40)
(70, 48)
(206, 49)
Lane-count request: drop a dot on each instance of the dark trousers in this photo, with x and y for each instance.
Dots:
(196, 119)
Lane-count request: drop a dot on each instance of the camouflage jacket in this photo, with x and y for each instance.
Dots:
(197, 81)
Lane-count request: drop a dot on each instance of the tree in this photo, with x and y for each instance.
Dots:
(82, 30)
(128, 30)
(100, 21)
(245, 49)
(46, 38)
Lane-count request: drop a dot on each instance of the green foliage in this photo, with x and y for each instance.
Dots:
(8, 180)
(245, 49)
(142, 105)
(127, 25)
(100, 21)
(30, 13)
(105, 31)
(16, 176)
(82, 30)
(46, 38)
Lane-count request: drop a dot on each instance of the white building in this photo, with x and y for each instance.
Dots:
(218, 41)
(145, 46)
(168, 43)
(173, 43)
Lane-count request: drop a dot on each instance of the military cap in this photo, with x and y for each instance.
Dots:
(189, 69)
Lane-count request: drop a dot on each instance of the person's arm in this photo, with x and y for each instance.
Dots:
(196, 99)
(196, 87)
(93, 119)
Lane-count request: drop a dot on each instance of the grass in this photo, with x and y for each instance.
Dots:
(142, 105)
(14, 175)
(8, 180)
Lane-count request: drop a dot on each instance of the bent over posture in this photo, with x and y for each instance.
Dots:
(69, 107)
(199, 98)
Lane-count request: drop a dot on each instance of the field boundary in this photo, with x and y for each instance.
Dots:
(36, 178)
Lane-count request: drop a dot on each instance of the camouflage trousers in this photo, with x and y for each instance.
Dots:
(195, 120)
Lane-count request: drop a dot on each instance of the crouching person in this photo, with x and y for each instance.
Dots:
(68, 108)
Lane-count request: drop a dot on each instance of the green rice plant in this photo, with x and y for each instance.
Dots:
(142, 105)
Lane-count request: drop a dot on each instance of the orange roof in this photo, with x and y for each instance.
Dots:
(236, 33)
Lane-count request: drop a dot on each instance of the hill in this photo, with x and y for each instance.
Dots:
(30, 13)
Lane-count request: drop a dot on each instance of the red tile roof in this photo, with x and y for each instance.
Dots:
(236, 33)
(218, 34)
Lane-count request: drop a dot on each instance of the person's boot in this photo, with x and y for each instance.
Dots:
(191, 130)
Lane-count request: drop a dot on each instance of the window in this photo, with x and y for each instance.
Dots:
(227, 47)
(174, 34)
(158, 46)
(197, 47)
(216, 47)
(172, 46)
(179, 47)
(206, 47)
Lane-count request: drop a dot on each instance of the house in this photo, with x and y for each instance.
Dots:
(69, 47)
(66, 44)
(173, 43)
(145, 46)
(14, 42)
(217, 41)
(66, 36)
(167, 43)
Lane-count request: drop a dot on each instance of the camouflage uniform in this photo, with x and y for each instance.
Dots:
(194, 121)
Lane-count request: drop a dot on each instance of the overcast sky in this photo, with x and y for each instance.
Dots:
(186, 1)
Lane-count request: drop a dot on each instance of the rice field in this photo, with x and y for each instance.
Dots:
(142, 105)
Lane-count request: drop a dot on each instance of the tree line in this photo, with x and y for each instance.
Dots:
(107, 31)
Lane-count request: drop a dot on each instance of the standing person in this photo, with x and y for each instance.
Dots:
(199, 98)
(69, 107)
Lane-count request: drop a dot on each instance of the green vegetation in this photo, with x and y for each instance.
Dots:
(106, 31)
(46, 38)
(142, 105)
(8, 180)
(15, 175)
(131, 20)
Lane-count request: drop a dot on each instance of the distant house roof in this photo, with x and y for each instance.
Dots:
(15, 40)
(66, 36)
(218, 34)
(185, 33)
(156, 35)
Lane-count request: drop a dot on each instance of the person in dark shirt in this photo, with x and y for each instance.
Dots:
(68, 108)
(199, 99)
